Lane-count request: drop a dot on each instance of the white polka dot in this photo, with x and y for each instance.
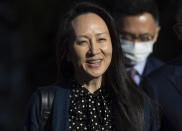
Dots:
(85, 102)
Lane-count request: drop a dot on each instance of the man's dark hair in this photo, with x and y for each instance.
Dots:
(124, 8)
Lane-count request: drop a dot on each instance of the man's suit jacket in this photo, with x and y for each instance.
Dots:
(165, 86)
(151, 65)
(60, 113)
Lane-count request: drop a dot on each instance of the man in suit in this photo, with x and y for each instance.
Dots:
(165, 86)
(138, 25)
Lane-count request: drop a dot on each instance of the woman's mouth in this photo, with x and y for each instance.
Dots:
(94, 63)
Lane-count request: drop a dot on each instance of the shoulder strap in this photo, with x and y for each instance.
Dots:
(47, 97)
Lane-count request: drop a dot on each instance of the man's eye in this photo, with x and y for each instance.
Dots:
(126, 37)
(146, 38)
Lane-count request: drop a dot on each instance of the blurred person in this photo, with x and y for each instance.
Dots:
(94, 92)
(11, 67)
(138, 25)
(165, 85)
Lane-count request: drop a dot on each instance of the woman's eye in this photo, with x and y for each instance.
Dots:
(82, 42)
(102, 39)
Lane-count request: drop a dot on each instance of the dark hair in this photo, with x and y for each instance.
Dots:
(128, 104)
(124, 8)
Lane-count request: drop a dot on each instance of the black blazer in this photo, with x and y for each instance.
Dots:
(60, 113)
(165, 87)
(152, 64)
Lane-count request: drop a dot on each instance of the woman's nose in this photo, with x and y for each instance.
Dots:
(94, 49)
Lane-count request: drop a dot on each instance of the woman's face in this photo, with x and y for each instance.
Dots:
(91, 51)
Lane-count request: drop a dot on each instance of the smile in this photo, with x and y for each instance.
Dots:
(94, 63)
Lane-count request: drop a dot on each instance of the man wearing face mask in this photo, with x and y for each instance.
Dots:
(138, 25)
(165, 84)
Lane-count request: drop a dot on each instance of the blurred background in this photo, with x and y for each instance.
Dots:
(27, 50)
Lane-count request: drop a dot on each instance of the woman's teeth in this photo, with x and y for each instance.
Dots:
(94, 61)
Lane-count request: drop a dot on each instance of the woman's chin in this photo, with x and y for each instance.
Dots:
(95, 74)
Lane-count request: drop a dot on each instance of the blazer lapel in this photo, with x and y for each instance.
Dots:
(178, 78)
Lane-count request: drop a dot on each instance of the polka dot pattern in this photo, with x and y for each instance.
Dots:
(89, 111)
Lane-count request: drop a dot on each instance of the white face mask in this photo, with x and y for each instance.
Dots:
(136, 52)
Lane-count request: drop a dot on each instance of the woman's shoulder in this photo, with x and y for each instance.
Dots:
(60, 89)
(61, 86)
(32, 117)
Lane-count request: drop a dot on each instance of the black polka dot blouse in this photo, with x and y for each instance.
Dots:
(89, 111)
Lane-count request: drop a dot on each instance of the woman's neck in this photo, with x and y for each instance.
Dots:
(92, 85)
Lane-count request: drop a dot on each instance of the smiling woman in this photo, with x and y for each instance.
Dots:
(94, 92)
(91, 52)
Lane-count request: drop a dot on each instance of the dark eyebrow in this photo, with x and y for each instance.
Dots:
(102, 33)
(128, 33)
(85, 36)
(146, 34)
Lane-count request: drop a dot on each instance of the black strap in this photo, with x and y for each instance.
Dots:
(47, 97)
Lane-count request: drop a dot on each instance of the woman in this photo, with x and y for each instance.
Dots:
(94, 92)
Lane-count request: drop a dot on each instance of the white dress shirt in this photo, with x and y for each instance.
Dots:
(139, 69)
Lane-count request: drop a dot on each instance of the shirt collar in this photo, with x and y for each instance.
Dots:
(139, 67)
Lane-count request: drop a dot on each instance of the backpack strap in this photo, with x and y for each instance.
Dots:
(47, 97)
